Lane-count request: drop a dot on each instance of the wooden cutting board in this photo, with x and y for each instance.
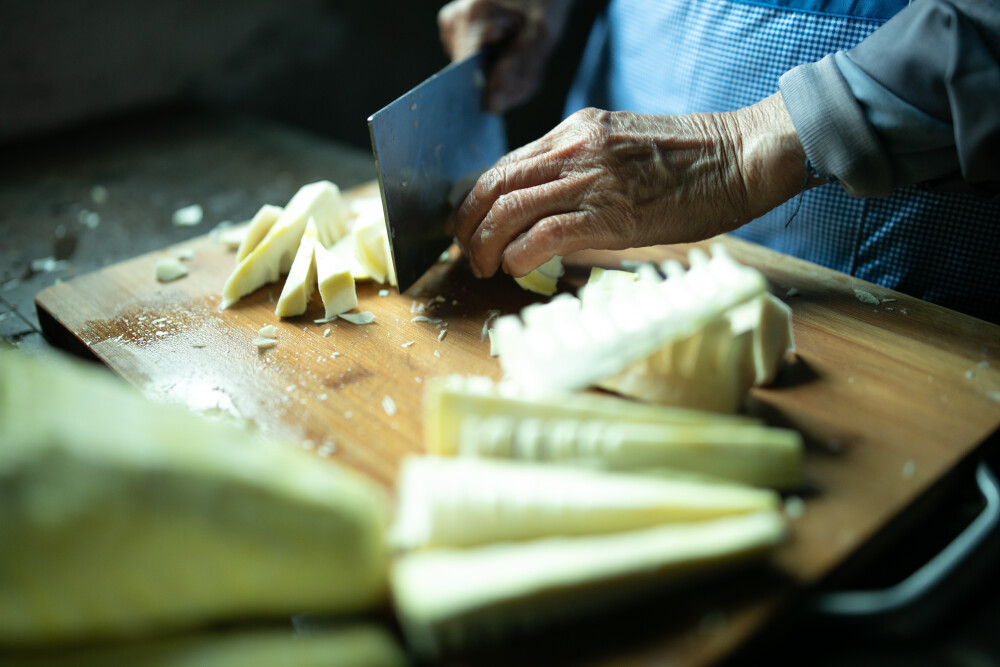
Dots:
(890, 396)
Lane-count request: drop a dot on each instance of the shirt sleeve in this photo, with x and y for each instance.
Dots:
(915, 102)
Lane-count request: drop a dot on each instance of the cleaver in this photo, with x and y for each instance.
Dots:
(430, 146)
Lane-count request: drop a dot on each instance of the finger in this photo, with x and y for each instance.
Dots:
(510, 215)
(535, 149)
(448, 18)
(558, 234)
(466, 26)
(545, 144)
(515, 78)
(499, 180)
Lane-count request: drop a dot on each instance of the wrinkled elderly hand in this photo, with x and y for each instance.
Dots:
(528, 30)
(624, 180)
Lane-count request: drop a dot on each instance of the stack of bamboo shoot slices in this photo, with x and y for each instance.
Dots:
(571, 343)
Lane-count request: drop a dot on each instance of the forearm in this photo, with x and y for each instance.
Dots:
(913, 103)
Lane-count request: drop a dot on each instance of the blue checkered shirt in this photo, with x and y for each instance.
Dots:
(684, 56)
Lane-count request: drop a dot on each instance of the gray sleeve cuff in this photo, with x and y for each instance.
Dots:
(839, 141)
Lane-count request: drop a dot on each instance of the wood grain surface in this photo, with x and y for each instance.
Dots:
(890, 397)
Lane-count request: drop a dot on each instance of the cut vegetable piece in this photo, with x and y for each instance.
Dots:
(301, 281)
(757, 455)
(371, 247)
(491, 315)
(448, 400)
(168, 269)
(323, 202)
(274, 254)
(344, 251)
(705, 371)
(188, 216)
(265, 263)
(364, 317)
(258, 229)
(449, 599)
(465, 502)
(592, 343)
(121, 516)
(229, 235)
(711, 369)
(364, 207)
(770, 320)
(336, 284)
(603, 284)
(543, 279)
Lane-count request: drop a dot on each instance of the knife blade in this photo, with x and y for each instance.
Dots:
(429, 146)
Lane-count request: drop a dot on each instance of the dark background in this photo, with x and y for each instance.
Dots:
(320, 65)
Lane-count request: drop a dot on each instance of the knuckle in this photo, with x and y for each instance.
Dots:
(551, 231)
(495, 219)
(524, 172)
(515, 265)
(590, 128)
(505, 205)
(490, 180)
(593, 117)
(494, 181)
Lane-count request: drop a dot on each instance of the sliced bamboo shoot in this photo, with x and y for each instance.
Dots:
(446, 502)
(301, 281)
(592, 343)
(265, 264)
(367, 206)
(371, 247)
(543, 279)
(258, 229)
(344, 251)
(757, 455)
(168, 269)
(770, 320)
(707, 370)
(603, 284)
(121, 516)
(336, 284)
(454, 598)
(448, 400)
(713, 368)
(323, 202)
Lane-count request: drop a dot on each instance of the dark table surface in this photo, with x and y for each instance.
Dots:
(80, 200)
